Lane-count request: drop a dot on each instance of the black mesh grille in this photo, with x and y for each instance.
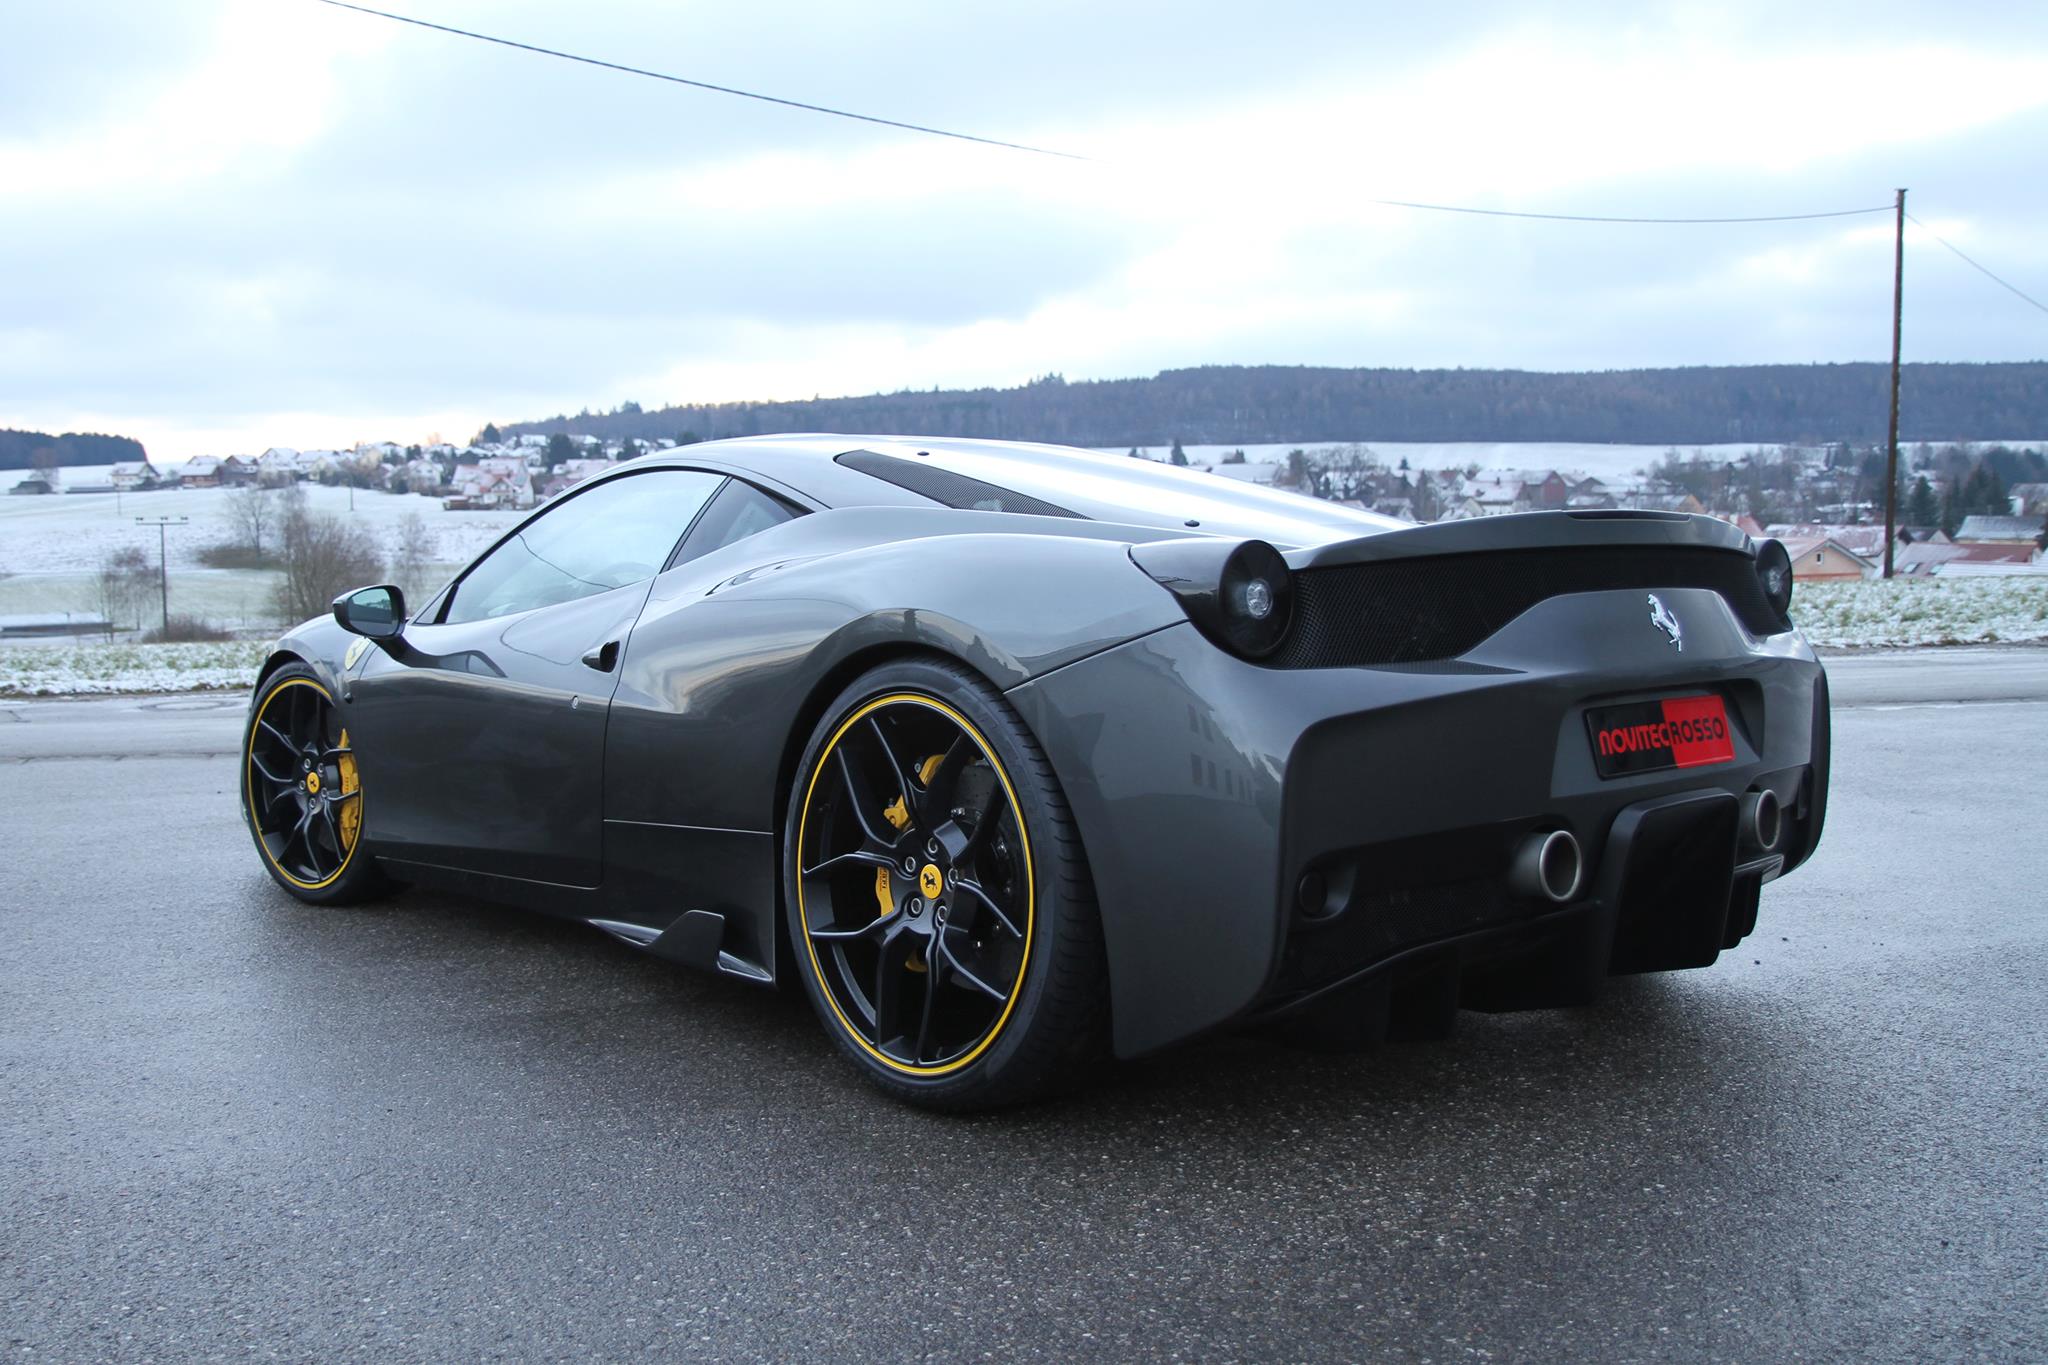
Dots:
(944, 486)
(1413, 610)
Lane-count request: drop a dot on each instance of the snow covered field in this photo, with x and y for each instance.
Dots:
(71, 532)
(1872, 614)
(50, 547)
(1606, 462)
(50, 670)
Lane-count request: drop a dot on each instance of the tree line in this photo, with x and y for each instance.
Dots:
(1247, 404)
(41, 450)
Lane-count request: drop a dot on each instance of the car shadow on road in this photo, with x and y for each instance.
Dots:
(563, 1005)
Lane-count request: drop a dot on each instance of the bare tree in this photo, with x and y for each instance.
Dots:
(121, 587)
(323, 557)
(253, 515)
(45, 461)
(412, 556)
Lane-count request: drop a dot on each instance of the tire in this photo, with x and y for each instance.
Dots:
(301, 794)
(972, 976)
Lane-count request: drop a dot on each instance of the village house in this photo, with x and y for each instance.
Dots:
(1981, 530)
(201, 471)
(129, 475)
(278, 465)
(497, 481)
(570, 473)
(1820, 558)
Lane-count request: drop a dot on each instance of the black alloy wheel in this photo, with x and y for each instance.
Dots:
(301, 790)
(940, 908)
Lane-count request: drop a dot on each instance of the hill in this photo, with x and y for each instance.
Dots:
(1240, 404)
(18, 448)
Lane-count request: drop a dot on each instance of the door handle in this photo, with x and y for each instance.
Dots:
(604, 658)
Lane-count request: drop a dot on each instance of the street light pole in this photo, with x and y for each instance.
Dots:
(163, 574)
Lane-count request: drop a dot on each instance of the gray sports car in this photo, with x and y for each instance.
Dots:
(1012, 754)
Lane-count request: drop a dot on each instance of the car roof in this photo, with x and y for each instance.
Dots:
(1105, 488)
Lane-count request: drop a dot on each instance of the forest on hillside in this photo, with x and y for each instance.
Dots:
(1230, 404)
(18, 449)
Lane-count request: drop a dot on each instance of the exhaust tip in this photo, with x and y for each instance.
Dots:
(1548, 867)
(1763, 818)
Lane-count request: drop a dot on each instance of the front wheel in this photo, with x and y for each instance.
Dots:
(939, 901)
(301, 792)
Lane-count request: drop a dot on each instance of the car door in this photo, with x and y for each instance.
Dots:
(483, 727)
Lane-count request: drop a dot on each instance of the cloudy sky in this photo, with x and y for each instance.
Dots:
(236, 223)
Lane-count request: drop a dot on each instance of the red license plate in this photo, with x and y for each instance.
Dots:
(1649, 736)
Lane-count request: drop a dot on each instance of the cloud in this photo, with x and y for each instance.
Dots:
(277, 222)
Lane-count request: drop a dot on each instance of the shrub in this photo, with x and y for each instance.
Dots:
(184, 630)
(228, 555)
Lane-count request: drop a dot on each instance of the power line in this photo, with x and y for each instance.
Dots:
(1973, 265)
(1073, 156)
(707, 85)
(1595, 218)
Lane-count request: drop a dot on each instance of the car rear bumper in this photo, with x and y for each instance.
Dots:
(1262, 838)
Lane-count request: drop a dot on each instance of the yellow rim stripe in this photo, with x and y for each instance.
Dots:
(249, 778)
(1030, 885)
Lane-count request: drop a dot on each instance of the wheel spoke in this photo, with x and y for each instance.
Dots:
(857, 792)
(974, 889)
(299, 836)
(985, 821)
(937, 796)
(959, 972)
(339, 797)
(862, 856)
(333, 834)
(895, 770)
(260, 766)
(837, 934)
(275, 734)
(890, 969)
(934, 964)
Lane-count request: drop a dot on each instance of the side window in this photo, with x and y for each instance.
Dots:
(740, 510)
(619, 532)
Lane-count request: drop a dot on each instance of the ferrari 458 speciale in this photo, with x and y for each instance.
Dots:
(1015, 754)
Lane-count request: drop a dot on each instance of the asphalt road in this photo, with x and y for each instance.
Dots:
(233, 1126)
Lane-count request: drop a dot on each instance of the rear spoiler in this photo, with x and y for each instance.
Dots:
(1528, 531)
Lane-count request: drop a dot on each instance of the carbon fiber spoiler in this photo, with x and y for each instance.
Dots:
(1528, 531)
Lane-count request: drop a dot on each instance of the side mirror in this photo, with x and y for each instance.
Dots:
(378, 612)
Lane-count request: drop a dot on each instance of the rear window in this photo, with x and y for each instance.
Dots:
(950, 489)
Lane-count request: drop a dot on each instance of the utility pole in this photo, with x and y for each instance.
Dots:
(1891, 459)
(163, 576)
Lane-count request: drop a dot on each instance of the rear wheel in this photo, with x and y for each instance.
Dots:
(302, 793)
(938, 898)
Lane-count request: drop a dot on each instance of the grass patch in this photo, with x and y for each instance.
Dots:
(68, 669)
(1871, 613)
(226, 556)
(186, 630)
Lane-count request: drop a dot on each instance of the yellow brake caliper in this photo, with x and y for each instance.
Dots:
(351, 812)
(897, 813)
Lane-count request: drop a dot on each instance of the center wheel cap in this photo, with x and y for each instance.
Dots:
(313, 783)
(930, 880)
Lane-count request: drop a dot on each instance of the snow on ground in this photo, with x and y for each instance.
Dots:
(71, 532)
(50, 670)
(1606, 462)
(1867, 614)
